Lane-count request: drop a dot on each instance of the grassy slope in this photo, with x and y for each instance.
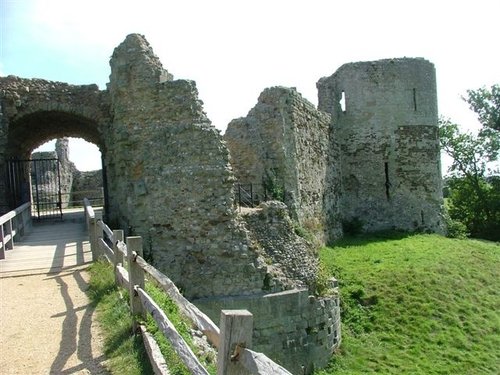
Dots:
(421, 304)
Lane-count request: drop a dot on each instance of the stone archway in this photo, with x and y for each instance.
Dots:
(33, 111)
(30, 131)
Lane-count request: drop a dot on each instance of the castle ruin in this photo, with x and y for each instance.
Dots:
(169, 177)
(369, 153)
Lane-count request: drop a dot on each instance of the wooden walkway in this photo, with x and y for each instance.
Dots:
(50, 247)
(47, 323)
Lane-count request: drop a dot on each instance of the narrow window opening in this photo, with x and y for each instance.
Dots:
(422, 217)
(342, 102)
(415, 100)
(387, 181)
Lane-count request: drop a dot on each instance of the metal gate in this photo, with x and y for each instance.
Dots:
(38, 181)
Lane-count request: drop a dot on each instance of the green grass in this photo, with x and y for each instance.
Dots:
(125, 352)
(182, 325)
(421, 304)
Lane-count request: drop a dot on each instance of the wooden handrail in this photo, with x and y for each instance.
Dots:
(254, 362)
(106, 230)
(89, 211)
(168, 329)
(11, 214)
(201, 321)
(10, 226)
(258, 363)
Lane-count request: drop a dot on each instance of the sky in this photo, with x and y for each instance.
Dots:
(235, 49)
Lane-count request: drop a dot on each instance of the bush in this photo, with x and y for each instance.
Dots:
(454, 228)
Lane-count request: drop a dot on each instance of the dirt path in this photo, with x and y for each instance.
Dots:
(47, 325)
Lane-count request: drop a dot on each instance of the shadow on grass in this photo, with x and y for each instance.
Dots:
(367, 238)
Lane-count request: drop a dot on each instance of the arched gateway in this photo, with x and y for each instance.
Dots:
(34, 111)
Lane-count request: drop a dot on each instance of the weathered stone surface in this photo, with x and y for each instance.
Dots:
(66, 170)
(87, 184)
(285, 144)
(178, 191)
(272, 229)
(295, 329)
(388, 133)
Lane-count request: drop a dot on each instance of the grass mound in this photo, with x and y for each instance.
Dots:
(421, 304)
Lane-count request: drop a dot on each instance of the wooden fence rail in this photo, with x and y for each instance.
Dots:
(233, 340)
(14, 223)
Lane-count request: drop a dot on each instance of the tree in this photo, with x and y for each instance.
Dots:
(486, 103)
(473, 191)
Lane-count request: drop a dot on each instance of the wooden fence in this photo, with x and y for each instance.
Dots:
(14, 223)
(234, 338)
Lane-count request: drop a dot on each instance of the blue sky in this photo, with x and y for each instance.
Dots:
(235, 49)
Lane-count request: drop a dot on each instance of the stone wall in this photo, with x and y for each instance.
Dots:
(292, 256)
(285, 144)
(388, 134)
(87, 184)
(295, 329)
(175, 188)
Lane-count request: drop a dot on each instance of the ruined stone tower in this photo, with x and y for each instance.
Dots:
(384, 117)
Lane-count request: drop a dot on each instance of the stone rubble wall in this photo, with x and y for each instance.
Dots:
(66, 170)
(293, 328)
(175, 187)
(285, 142)
(87, 184)
(272, 229)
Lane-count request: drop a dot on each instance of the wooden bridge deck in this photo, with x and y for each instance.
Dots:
(47, 323)
(50, 247)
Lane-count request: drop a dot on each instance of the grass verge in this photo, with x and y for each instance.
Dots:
(125, 352)
(182, 325)
(420, 304)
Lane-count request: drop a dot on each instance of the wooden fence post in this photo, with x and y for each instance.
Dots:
(92, 238)
(118, 235)
(9, 245)
(98, 234)
(135, 274)
(236, 328)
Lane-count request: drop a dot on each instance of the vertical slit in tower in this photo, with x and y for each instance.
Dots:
(415, 100)
(387, 181)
